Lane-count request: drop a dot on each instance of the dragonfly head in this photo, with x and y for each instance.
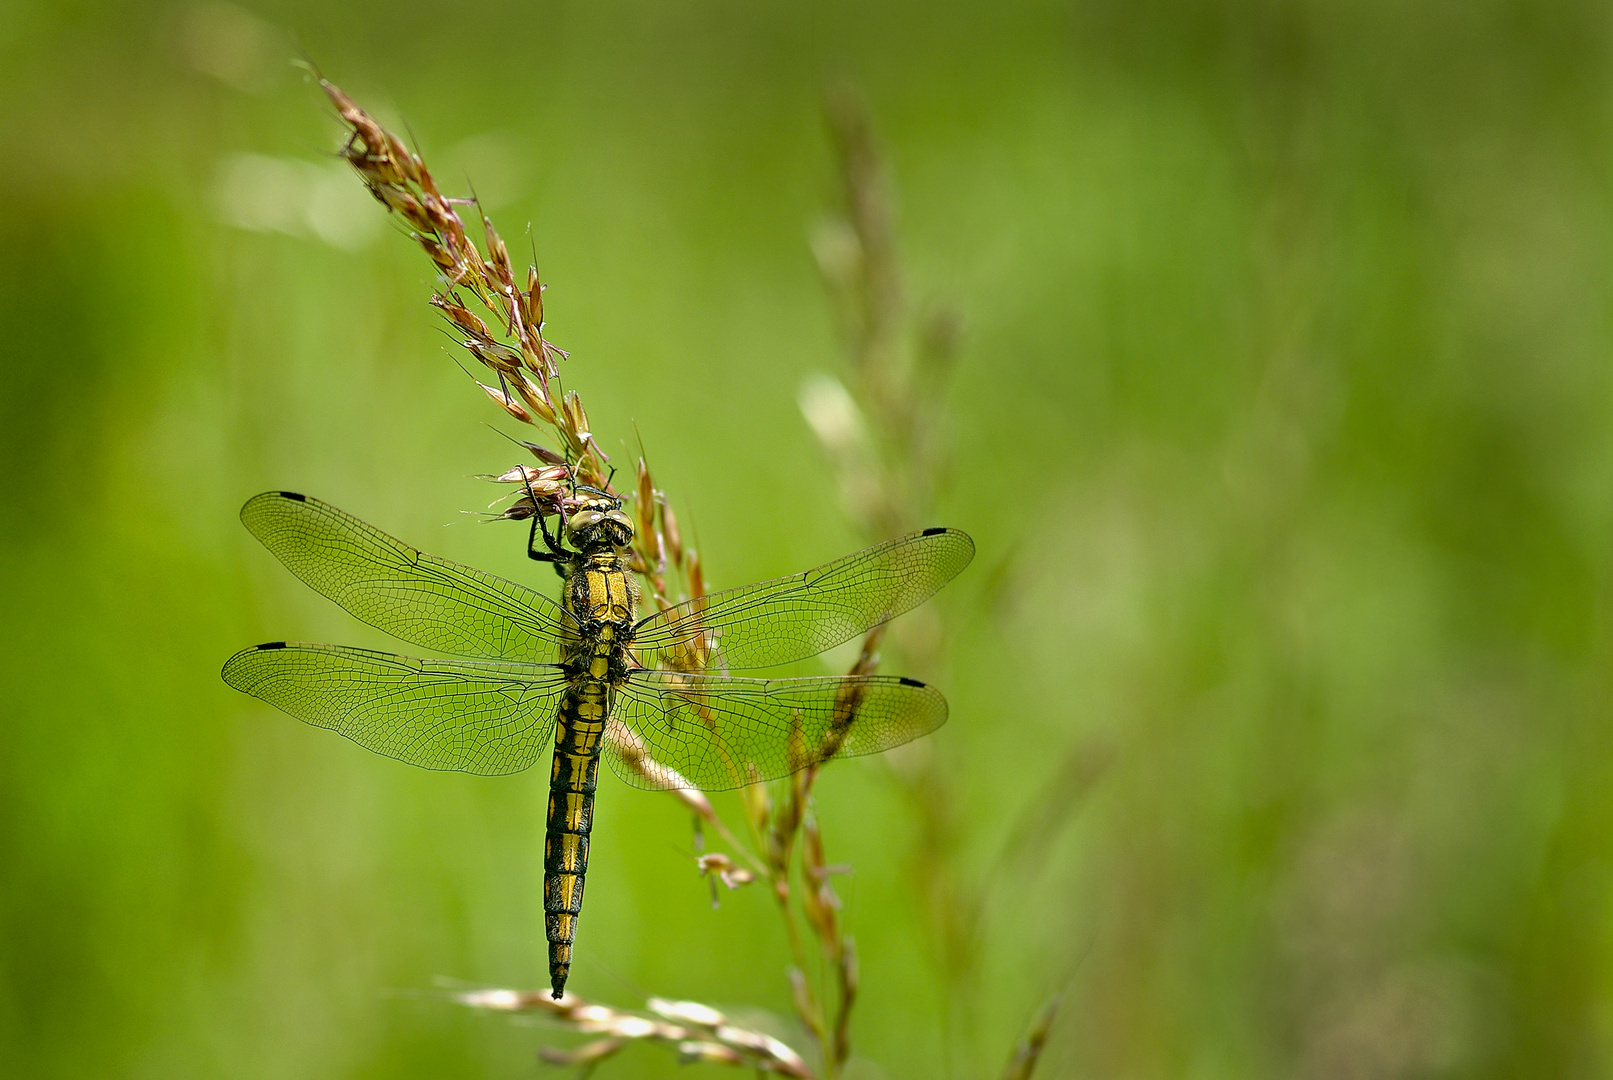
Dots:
(599, 522)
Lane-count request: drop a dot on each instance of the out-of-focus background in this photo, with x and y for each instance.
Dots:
(1283, 421)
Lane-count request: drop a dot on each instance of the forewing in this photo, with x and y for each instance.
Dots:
(419, 598)
(786, 619)
(711, 732)
(460, 715)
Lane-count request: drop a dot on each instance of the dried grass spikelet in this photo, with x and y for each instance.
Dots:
(818, 900)
(700, 1052)
(536, 398)
(669, 528)
(806, 1006)
(504, 401)
(1029, 1050)
(635, 755)
(539, 490)
(724, 869)
(505, 332)
(696, 1031)
(647, 534)
(585, 1056)
(695, 574)
(849, 976)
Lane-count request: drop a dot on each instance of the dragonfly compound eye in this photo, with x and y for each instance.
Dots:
(583, 519)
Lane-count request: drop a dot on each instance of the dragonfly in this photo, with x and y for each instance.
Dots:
(653, 696)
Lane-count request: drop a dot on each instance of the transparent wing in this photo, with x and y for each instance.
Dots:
(461, 715)
(711, 732)
(419, 598)
(775, 622)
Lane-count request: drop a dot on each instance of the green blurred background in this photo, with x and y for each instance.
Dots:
(1283, 422)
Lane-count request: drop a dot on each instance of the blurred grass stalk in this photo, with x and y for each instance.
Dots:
(889, 437)
(888, 475)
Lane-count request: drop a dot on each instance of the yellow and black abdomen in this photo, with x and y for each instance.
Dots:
(578, 734)
(603, 598)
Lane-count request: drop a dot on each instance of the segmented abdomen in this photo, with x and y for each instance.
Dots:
(579, 730)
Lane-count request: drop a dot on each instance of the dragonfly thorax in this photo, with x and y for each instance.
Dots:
(602, 596)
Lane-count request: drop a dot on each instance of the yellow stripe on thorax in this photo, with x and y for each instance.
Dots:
(610, 594)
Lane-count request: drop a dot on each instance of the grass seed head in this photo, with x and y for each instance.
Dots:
(498, 256)
(806, 1006)
(544, 454)
(669, 526)
(724, 869)
(506, 402)
(820, 903)
(758, 805)
(850, 970)
(438, 254)
(850, 976)
(495, 999)
(695, 800)
(693, 1052)
(536, 398)
(697, 577)
(574, 416)
(532, 299)
(645, 507)
(500, 358)
(587, 1054)
(635, 755)
(549, 475)
(461, 316)
(399, 201)
(692, 1013)
(1029, 1051)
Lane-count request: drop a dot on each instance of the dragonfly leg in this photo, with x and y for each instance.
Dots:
(557, 556)
(557, 553)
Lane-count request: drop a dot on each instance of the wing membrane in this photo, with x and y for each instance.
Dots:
(788, 618)
(460, 715)
(715, 733)
(419, 598)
